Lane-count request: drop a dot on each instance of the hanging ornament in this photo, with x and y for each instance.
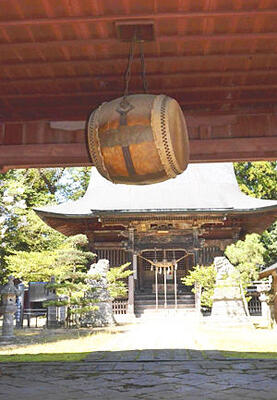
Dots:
(138, 139)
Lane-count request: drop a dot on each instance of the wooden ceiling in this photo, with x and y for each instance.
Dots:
(60, 59)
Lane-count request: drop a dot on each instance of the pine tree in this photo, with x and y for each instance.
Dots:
(116, 284)
(71, 285)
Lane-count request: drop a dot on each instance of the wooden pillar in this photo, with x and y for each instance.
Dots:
(198, 290)
(156, 288)
(274, 283)
(131, 295)
(135, 266)
(175, 284)
(131, 251)
(165, 292)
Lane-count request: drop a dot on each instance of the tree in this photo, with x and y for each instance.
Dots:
(205, 277)
(71, 255)
(32, 266)
(20, 190)
(115, 277)
(73, 183)
(71, 265)
(258, 179)
(247, 257)
(269, 240)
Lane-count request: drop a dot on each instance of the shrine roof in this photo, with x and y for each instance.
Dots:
(201, 188)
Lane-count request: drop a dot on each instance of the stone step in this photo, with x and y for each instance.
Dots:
(161, 304)
(141, 309)
(165, 313)
(153, 298)
(147, 295)
(161, 300)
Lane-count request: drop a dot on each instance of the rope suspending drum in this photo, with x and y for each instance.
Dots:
(138, 138)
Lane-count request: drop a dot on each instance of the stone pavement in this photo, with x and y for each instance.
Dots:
(149, 374)
(153, 360)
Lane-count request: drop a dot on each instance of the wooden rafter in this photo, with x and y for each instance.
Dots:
(138, 16)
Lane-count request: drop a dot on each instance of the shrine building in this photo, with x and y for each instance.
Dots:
(164, 229)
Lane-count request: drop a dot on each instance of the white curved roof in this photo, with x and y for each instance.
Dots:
(201, 187)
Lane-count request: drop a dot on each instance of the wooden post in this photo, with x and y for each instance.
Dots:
(156, 288)
(175, 285)
(274, 284)
(131, 295)
(165, 297)
(135, 265)
(198, 289)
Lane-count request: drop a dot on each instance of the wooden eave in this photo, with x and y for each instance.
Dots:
(59, 60)
(272, 270)
(250, 221)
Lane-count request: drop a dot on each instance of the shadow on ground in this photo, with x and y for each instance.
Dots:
(30, 336)
(138, 356)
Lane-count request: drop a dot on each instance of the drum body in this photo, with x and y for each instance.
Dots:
(140, 140)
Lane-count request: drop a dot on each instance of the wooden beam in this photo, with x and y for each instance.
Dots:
(115, 42)
(43, 155)
(119, 92)
(213, 138)
(78, 108)
(138, 16)
(150, 59)
(235, 149)
(76, 154)
(91, 77)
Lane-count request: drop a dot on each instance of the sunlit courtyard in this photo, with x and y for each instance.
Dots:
(157, 333)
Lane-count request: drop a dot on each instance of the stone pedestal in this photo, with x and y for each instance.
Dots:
(8, 308)
(52, 312)
(229, 305)
(20, 307)
(52, 321)
(263, 289)
(104, 315)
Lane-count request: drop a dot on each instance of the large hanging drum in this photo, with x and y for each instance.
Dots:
(139, 140)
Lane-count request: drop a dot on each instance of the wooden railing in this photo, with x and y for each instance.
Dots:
(120, 306)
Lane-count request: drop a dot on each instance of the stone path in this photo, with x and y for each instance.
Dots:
(156, 379)
(152, 361)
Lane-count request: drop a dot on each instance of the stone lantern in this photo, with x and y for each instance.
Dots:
(263, 290)
(8, 308)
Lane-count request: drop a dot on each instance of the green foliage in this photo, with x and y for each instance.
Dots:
(205, 277)
(115, 277)
(73, 183)
(247, 257)
(258, 179)
(269, 240)
(71, 263)
(20, 190)
(69, 257)
(35, 235)
(32, 266)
